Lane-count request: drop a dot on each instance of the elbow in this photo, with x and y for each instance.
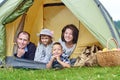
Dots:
(48, 66)
(67, 66)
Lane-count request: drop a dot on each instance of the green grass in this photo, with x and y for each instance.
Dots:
(77, 73)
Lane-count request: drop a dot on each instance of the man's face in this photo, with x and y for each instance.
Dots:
(22, 40)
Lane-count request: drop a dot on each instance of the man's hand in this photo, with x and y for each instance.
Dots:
(20, 52)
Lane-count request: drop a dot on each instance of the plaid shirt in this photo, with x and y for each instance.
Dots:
(63, 58)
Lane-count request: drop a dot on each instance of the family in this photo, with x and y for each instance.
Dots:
(53, 54)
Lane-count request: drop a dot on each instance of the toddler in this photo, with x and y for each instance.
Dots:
(44, 47)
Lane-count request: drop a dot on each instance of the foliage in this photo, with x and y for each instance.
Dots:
(77, 73)
(117, 24)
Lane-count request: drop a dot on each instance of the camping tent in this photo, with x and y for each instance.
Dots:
(90, 17)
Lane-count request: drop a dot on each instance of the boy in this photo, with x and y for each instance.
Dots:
(58, 59)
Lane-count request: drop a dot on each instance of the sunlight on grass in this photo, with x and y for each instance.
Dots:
(77, 73)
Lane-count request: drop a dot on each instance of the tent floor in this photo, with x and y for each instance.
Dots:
(22, 63)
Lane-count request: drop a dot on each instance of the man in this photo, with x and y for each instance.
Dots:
(25, 48)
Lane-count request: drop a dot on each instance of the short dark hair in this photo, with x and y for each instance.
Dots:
(24, 32)
(75, 32)
(57, 43)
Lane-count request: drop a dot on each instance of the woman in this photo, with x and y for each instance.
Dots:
(69, 39)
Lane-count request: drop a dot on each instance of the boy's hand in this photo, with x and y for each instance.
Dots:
(58, 58)
(53, 57)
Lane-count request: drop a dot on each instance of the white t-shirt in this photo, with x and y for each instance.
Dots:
(67, 50)
(43, 53)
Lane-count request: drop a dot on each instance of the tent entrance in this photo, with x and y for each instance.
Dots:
(56, 16)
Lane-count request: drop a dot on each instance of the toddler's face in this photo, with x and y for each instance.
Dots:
(57, 50)
(45, 39)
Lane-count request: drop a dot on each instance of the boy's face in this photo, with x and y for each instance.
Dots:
(57, 50)
(45, 39)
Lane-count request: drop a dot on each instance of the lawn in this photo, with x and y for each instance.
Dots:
(77, 73)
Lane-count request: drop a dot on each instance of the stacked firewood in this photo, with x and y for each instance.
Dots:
(88, 56)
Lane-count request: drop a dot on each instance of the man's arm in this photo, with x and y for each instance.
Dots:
(31, 51)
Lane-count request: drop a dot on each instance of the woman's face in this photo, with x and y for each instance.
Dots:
(68, 35)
